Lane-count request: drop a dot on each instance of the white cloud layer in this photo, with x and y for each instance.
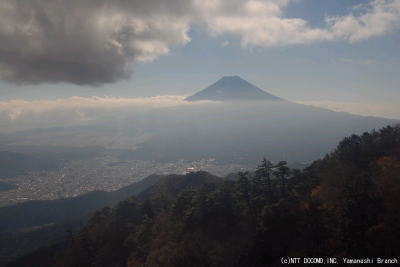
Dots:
(24, 114)
(18, 108)
(262, 22)
(390, 111)
(95, 41)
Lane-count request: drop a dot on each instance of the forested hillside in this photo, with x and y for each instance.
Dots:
(345, 204)
(28, 226)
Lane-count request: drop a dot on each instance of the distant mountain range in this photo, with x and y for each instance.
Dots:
(232, 88)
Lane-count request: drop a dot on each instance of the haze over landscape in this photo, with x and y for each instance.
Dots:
(198, 133)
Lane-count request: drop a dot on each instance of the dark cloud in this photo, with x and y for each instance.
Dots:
(85, 41)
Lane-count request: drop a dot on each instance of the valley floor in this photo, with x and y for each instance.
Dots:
(107, 173)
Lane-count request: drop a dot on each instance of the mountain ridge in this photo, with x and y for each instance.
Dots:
(254, 220)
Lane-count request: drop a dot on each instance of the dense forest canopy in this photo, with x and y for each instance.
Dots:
(344, 205)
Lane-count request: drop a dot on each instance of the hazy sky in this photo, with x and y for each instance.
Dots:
(343, 51)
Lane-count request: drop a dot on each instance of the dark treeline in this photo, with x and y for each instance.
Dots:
(344, 205)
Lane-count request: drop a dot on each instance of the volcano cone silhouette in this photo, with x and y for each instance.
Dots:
(232, 88)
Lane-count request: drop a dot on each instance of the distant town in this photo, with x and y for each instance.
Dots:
(107, 173)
